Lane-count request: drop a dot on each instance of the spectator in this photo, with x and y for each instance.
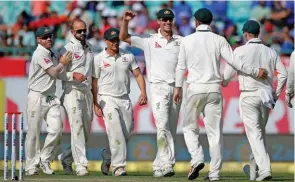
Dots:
(181, 7)
(40, 7)
(104, 21)
(98, 44)
(28, 37)
(185, 27)
(260, 12)
(140, 21)
(279, 15)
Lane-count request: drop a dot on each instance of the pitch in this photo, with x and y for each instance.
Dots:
(146, 177)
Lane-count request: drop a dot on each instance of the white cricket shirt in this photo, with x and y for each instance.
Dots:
(82, 62)
(161, 55)
(200, 53)
(39, 79)
(290, 80)
(261, 56)
(113, 72)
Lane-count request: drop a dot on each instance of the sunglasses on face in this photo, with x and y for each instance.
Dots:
(45, 37)
(81, 30)
(167, 19)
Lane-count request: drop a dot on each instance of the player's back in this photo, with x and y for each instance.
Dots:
(203, 51)
(258, 55)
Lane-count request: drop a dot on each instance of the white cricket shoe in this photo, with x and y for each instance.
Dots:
(106, 162)
(168, 171)
(158, 173)
(250, 172)
(264, 177)
(194, 172)
(207, 178)
(82, 171)
(120, 172)
(68, 170)
(46, 168)
(32, 172)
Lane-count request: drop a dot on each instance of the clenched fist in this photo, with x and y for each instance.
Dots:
(128, 15)
(66, 58)
(262, 73)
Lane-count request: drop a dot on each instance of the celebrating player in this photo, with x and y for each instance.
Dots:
(200, 53)
(161, 52)
(257, 96)
(77, 99)
(111, 70)
(43, 104)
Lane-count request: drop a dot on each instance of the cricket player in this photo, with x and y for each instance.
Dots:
(200, 53)
(257, 96)
(161, 52)
(43, 104)
(290, 82)
(111, 73)
(77, 99)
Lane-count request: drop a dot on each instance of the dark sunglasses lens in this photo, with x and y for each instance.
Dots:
(166, 19)
(46, 37)
(81, 30)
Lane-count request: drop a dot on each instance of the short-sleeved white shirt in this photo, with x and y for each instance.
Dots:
(113, 72)
(39, 79)
(82, 62)
(161, 55)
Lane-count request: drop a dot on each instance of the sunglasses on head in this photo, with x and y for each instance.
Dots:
(166, 19)
(81, 30)
(45, 37)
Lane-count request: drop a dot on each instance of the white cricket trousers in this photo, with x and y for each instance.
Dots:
(165, 112)
(118, 118)
(41, 107)
(255, 115)
(211, 107)
(79, 107)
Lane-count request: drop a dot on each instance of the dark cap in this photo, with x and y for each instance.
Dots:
(252, 27)
(204, 15)
(165, 13)
(111, 33)
(43, 31)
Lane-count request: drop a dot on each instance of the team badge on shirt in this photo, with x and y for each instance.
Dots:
(176, 43)
(76, 56)
(157, 45)
(124, 59)
(105, 64)
(47, 60)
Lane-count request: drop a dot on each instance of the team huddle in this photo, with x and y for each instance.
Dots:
(101, 83)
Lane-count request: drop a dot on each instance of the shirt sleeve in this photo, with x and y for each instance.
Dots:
(133, 64)
(282, 75)
(140, 41)
(181, 66)
(44, 61)
(236, 61)
(290, 80)
(96, 67)
(228, 74)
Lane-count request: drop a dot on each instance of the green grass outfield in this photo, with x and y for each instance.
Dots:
(145, 177)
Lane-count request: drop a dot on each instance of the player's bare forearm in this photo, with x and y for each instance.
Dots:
(124, 36)
(94, 90)
(142, 100)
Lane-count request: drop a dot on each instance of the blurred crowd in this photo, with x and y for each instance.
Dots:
(276, 18)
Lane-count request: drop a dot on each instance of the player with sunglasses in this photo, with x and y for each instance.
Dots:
(43, 104)
(161, 52)
(77, 99)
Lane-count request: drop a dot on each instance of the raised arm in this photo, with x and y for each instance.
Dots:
(124, 36)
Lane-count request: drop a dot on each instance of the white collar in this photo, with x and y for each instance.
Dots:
(203, 28)
(42, 48)
(161, 36)
(75, 41)
(254, 40)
